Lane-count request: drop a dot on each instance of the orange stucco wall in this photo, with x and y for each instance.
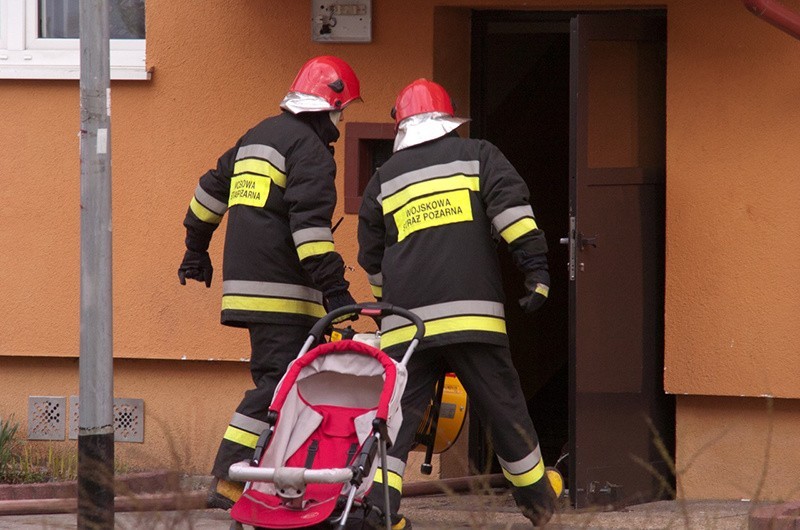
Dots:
(182, 427)
(732, 303)
(737, 448)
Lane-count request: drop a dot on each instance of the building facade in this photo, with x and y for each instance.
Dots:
(722, 298)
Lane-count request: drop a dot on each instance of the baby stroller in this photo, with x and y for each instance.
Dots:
(337, 407)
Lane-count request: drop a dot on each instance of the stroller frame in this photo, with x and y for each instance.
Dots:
(290, 482)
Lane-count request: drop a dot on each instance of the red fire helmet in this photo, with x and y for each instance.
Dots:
(420, 97)
(330, 78)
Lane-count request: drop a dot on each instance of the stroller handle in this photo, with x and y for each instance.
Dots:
(244, 472)
(375, 310)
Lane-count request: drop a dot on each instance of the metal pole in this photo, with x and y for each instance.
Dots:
(96, 423)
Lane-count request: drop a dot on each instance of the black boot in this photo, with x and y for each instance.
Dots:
(537, 501)
(223, 494)
(374, 520)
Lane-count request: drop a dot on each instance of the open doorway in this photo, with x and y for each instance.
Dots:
(520, 103)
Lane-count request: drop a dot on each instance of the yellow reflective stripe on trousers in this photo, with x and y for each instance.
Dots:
(241, 437)
(260, 167)
(377, 291)
(203, 213)
(315, 248)
(444, 325)
(528, 478)
(518, 229)
(456, 182)
(395, 480)
(272, 305)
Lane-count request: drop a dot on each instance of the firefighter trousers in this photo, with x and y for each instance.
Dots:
(492, 384)
(273, 347)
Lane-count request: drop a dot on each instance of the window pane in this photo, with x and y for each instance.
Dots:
(126, 19)
(58, 19)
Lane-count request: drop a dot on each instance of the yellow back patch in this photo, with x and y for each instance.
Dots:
(433, 210)
(249, 190)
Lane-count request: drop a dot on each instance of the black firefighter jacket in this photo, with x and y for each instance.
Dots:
(427, 227)
(277, 187)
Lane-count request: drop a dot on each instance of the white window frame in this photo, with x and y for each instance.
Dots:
(23, 55)
(3, 24)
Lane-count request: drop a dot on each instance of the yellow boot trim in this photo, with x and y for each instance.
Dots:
(399, 525)
(556, 480)
(231, 490)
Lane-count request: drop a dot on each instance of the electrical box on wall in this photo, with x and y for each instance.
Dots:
(341, 21)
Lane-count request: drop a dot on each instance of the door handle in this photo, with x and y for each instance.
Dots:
(584, 241)
(587, 241)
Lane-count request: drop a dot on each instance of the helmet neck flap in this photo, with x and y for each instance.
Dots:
(422, 128)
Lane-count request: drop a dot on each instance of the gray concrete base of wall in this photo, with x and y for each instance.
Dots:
(776, 517)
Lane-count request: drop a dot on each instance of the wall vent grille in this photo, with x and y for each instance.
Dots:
(46, 417)
(128, 419)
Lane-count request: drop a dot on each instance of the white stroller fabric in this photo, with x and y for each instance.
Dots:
(344, 379)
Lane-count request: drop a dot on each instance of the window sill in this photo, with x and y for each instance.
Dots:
(30, 71)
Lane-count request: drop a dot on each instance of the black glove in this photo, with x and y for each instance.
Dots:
(341, 299)
(196, 266)
(537, 283)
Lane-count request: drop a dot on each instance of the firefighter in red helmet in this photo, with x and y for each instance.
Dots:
(430, 220)
(281, 271)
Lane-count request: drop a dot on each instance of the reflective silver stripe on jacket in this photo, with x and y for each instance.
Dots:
(307, 235)
(459, 167)
(524, 465)
(375, 279)
(204, 198)
(272, 289)
(395, 465)
(266, 152)
(447, 309)
(246, 423)
(510, 216)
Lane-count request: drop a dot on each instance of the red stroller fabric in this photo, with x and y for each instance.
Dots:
(325, 404)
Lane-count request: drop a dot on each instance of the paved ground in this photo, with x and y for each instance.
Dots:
(494, 511)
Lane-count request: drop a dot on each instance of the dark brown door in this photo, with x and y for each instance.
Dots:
(621, 423)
